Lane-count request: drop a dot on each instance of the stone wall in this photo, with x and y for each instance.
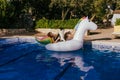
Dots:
(11, 31)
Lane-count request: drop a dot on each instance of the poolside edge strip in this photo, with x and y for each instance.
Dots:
(100, 45)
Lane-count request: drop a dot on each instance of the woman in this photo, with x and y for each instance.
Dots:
(55, 38)
(68, 35)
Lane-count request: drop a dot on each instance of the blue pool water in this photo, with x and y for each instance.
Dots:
(27, 60)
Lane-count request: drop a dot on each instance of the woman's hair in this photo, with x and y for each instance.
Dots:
(66, 35)
(50, 34)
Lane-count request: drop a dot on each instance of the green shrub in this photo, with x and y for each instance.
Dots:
(54, 24)
(117, 22)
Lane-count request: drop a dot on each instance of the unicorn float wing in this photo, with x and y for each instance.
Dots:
(77, 41)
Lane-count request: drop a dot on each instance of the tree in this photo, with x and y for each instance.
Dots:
(64, 5)
(117, 4)
(6, 13)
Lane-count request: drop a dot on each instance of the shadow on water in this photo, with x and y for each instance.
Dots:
(105, 62)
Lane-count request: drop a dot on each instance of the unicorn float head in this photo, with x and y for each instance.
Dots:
(83, 26)
(77, 41)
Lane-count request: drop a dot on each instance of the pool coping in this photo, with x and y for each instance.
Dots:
(103, 45)
(99, 45)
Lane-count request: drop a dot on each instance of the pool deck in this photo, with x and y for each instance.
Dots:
(101, 37)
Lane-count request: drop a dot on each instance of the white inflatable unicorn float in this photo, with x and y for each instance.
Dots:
(77, 41)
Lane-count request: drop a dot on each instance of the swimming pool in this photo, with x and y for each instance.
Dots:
(25, 59)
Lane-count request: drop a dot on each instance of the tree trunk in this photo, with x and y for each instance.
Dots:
(64, 13)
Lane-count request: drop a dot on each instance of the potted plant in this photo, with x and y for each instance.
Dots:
(116, 32)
